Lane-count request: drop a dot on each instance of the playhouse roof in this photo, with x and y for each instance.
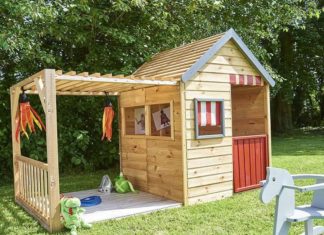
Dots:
(185, 61)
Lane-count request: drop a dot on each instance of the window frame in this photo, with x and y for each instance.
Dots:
(222, 135)
(148, 118)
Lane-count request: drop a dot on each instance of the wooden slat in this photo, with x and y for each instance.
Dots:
(250, 161)
(58, 72)
(210, 170)
(68, 83)
(85, 74)
(70, 73)
(28, 80)
(210, 197)
(210, 179)
(212, 188)
(97, 75)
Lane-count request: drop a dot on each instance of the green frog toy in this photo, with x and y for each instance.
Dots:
(122, 185)
(71, 214)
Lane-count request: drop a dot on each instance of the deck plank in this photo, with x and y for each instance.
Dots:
(116, 205)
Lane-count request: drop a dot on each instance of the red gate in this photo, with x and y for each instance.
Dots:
(250, 160)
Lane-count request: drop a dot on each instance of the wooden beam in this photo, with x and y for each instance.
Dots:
(77, 93)
(83, 93)
(52, 150)
(115, 80)
(41, 91)
(29, 79)
(14, 102)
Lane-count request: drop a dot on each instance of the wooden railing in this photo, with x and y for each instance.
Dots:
(33, 187)
(250, 160)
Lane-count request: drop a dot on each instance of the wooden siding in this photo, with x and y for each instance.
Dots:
(154, 164)
(248, 110)
(210, 161)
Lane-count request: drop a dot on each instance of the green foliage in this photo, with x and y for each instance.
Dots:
(118, 36)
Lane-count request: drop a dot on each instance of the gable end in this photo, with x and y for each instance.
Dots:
(230, 34)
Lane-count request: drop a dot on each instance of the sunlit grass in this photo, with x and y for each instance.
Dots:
(241, 214)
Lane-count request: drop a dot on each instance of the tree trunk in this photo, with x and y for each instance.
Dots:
(282, 114)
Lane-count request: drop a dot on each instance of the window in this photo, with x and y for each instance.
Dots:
(209, 118)
(135, 120)
(160, 120)
(152, 121)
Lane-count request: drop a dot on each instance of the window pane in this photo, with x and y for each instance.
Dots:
(209, 118)
(160, 120)
(135, 120)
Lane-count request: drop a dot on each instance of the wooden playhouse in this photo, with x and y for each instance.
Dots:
(194, 127)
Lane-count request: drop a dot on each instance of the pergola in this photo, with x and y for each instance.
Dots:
(36, 183)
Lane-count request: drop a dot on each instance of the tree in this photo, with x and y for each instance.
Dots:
(118, 36)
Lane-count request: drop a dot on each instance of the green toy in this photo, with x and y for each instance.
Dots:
(71, 212)
(122, 185)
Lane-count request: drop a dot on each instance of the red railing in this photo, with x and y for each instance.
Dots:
(250, 160)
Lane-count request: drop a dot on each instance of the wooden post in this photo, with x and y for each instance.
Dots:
(14, 102)
(52, 150)
(120, 133)
(268, 119)
(184, 143)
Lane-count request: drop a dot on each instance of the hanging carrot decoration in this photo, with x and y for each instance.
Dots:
(27, 116)
(107, 120)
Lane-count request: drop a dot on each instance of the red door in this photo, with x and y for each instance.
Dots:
(250, 160)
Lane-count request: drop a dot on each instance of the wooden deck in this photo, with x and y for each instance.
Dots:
(117, 205)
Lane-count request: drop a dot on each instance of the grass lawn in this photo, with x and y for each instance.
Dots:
(241, 214)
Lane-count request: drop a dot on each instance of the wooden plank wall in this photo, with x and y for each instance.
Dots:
(248, 109)
(209, 161)
(154, 164)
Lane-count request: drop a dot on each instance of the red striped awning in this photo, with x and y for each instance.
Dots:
(249, 80)
(209, 113)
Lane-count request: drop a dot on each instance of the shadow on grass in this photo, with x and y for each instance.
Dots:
(14, 220)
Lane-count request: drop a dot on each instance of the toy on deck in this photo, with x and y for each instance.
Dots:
(71, 213)
(280, 183)
(90, 201)
(27, 116)
(122, 185)
(107, 119)
(106, 185)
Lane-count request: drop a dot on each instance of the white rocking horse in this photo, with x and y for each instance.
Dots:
(280, 183)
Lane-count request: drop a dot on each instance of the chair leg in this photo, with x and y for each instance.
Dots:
(309, 227)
